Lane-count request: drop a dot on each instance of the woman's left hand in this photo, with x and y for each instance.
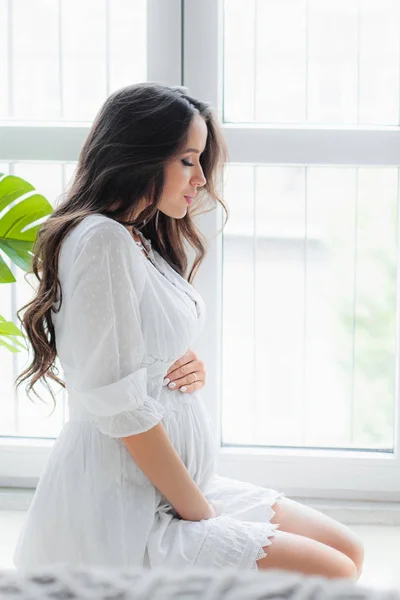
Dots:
(187, 373)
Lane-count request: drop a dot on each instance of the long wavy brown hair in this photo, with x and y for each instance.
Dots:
(137, 131)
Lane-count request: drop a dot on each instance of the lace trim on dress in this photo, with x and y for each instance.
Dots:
(244, 541)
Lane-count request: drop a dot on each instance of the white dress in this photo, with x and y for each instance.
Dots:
(122, 324)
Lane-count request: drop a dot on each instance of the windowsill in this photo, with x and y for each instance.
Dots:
(247, 452)
(23, 442)
(250, 452)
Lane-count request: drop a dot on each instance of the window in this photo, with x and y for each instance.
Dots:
(301, 289)
(310, 254)
(302, 286)
(63, 58)
(311, 61)
(56, 71)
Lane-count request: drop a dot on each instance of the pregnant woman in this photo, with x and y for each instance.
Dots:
(131, 479)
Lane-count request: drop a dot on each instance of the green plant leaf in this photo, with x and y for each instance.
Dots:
(8, 346)
(8, 336)
(6, 275)
(15, 242)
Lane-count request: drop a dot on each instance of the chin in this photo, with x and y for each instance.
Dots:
(176, 212)
(180, 214)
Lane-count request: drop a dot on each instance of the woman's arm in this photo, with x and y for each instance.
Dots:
(155, 455)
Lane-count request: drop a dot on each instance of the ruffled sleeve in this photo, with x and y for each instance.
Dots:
(105, 336)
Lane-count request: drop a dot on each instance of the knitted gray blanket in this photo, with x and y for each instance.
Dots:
(66, 582)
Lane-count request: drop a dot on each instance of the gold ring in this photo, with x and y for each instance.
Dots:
(195, 377)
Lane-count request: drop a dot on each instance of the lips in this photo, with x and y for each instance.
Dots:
(189, 199)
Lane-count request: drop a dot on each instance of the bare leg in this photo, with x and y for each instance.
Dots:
(296, 518)
(292, 552)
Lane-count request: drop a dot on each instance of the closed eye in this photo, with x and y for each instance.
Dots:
(186, 163)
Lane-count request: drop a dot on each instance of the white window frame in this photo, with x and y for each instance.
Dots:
(329, 474)
(188, 51)
(22, 460)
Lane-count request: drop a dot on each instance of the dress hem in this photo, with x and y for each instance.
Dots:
(244, 547)
(261, 553)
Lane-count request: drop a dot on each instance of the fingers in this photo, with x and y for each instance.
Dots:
(195, 380)
(188, 388)
(191, 382)
(183, 371)
(187, 358)
(187, 374)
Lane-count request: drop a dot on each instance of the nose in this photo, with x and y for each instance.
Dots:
(198, 178)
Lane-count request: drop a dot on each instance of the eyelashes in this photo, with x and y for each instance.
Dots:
(186, 163)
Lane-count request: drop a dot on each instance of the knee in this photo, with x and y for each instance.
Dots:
(359, 558)
(356, 554)
(347, 569)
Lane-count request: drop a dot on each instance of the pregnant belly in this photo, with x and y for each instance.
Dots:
(190, 430)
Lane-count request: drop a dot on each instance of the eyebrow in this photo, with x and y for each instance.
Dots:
(191, 150)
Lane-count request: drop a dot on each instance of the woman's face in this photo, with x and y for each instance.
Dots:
(184, 175)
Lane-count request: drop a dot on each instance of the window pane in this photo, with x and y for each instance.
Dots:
(332, 61)
(45, 177)
(4, 167)
(84, 76)
(239, 281)
(6, 357)
(34, 59)
(379, 92)
(309, 306)
(3, 57)
(22, 417)
(312, 61)
(55, 69)
(127, 42)
(239, 58)
(8, 406)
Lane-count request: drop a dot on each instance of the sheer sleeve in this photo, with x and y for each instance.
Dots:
(105, 335)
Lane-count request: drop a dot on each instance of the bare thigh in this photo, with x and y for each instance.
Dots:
(296, 518)
(292, 552)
